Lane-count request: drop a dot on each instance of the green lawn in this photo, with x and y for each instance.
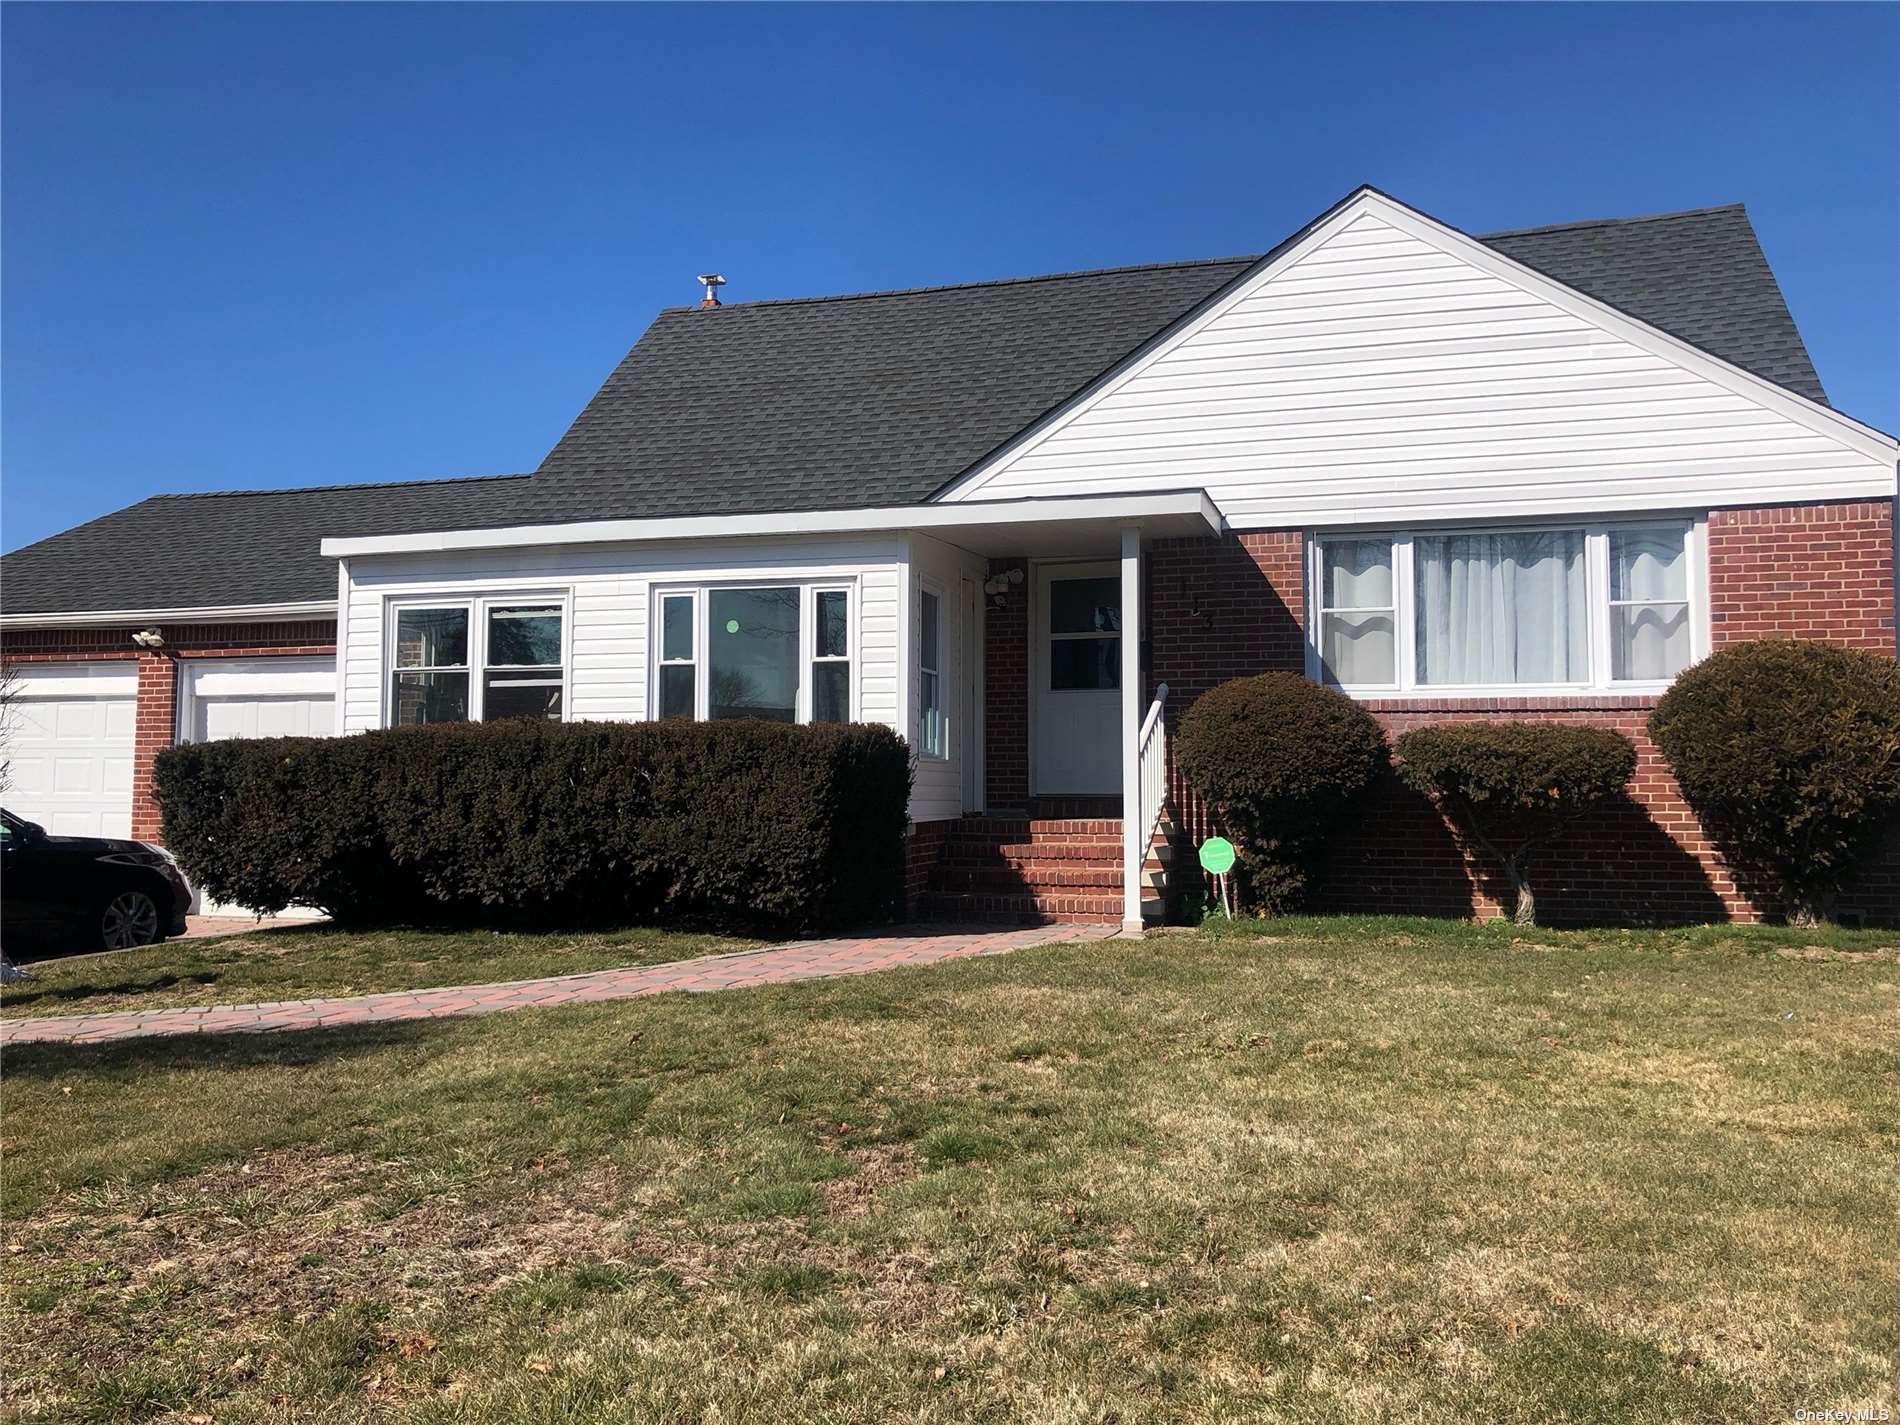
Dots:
(1298, 1171)
(301, 962)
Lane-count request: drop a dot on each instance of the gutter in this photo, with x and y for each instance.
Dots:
(221, 613)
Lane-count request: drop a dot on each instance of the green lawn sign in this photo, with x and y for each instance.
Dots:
(1217, 859)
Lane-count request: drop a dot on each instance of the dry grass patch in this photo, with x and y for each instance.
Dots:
(1366, 1170)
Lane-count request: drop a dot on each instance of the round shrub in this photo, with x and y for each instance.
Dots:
(1514, 787)
(1282, 760)
(1789, 751)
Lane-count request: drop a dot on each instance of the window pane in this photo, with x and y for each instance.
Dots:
(676, 631)
(930, 721)
(1359, 649)
(429, 697)
(1085, 605)
(1648, 565)
(753, 653)
(1357, 574)
(1501, 608)
(503, 696)
(831, 692)
(831, 639)
(431, 638)
(927, 635)
(1084, 663)
(676, 690)
(1649, 641)
(524, 637)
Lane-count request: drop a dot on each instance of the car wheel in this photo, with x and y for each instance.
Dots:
(129, 918)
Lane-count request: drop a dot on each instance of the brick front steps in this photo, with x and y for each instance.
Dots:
(1065, 870)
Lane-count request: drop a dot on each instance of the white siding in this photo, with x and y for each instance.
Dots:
(1390, 372)
(938, 792)
(609, 587)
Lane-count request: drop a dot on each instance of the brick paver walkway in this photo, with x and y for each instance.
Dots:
(776, 965)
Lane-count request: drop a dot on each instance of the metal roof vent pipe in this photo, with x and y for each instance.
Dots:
(713, 283)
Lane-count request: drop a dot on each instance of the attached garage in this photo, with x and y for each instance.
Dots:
(71, 747)
(256, 697)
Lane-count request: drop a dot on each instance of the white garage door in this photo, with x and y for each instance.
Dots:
(255, 697)
(70, 747)
(258, 697)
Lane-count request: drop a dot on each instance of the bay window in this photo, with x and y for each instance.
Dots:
(777, 652)
(1495, 611)
(436, 649)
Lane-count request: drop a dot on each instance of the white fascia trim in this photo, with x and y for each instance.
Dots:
(1121, 507)
(232, 613)
(1824, 420)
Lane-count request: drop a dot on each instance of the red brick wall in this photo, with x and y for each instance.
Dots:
(923, 850)
(1803, 571)
(1220, 609)
(157, 706)
(1006, 694)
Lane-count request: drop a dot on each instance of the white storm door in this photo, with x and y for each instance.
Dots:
(70, 747)
(1076, 679)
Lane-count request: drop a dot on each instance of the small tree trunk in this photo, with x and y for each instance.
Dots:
(1807, 910)
(1526, 910)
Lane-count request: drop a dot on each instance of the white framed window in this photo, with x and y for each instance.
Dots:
(932, 731)
(780, 651)
(831, 655)
(676, 690)
(476, 659)
(1507, 609)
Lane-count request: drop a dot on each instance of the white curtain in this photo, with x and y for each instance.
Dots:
(1501, 608)
(1357, 646)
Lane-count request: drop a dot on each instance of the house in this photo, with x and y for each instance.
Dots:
(1532, 474)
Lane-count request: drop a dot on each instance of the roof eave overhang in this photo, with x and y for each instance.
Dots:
(138, 618)
(985, 526)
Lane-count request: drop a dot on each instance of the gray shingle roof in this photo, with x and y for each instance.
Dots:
(235, 547)
(877, 398)
(1699, 275)
(884, 398)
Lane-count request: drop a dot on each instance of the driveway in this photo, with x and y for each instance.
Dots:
(776, 965)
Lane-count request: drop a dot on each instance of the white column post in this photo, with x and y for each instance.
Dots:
(1134, 854)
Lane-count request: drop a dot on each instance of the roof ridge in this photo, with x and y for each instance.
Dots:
(1076, 273)
(1610, 222)
(331, 489)
(966, 286)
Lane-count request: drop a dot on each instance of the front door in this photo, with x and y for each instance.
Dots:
(1076, 675)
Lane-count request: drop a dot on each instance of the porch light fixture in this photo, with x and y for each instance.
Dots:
(151, 638)
(997, 585)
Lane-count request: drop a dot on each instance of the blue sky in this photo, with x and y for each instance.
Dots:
(287, 245)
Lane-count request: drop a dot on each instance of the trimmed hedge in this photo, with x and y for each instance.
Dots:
(749, 824)
(1283, 761)
(1515, 786)
(1789, 751)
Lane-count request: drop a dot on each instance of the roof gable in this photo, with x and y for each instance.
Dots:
(1382, 366)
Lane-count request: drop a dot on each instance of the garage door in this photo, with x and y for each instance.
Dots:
(258, 697)
(70, 747)
(255, 697)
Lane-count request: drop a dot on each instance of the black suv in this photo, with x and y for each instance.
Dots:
(85, 892)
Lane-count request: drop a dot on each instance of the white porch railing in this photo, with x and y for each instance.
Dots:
(1152, 762)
